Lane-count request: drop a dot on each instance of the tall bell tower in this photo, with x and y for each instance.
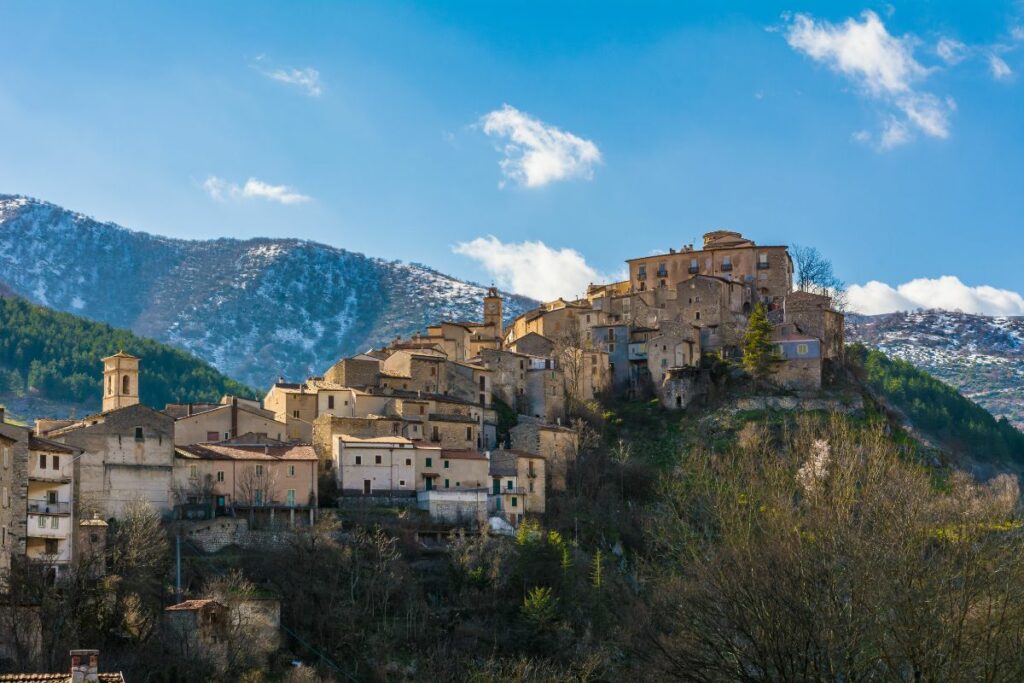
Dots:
(492, 309)
(120, 381)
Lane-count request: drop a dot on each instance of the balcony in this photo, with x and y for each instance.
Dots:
(48, 508)
(42, 526)
(763, 265)
(637, 351)
(726, 267)
(662, 272)
(38, 474)
(693, 270)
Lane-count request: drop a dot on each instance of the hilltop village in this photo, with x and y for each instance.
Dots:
(467, 421)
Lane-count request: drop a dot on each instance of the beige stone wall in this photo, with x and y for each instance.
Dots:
(390, 468)
(774, 282)
(451, 434)
(469, 383)
(557, 445)
(545, 394)
(799, 375)
(460, 473)
(117, 467)
(227, 478)
(198, 428)
(509, 377)
(531, 475)
(297, 410)
(354, 372)
(14, 455)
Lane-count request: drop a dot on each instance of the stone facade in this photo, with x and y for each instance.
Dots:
(814, 316)
(227, 422)
(358, 371)
(14, 455)
(120, 381)
(556, 444)
(126, 454)
(423, 369)
(545, 393)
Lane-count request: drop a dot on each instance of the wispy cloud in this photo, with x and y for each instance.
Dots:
(221, 189)
(951, 51)
(946, 292)
(537, 153)
(306, 78)
(882, 66)
(998, 67)
(532, 268)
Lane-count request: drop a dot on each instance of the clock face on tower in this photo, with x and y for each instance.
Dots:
(491, 306)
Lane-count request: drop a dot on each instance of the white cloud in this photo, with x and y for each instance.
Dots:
(537, 154)
(532, 269)
(306, 78)
(1017, 32)
(951, 51)
(221, 189)
(881, 65)
(946, 292)
(999, 68)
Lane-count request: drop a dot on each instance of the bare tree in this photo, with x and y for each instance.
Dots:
(257, 487)
(814, 274)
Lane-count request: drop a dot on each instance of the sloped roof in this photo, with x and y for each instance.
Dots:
(216, 451)
(192, 605)
(459, 454)
(57, 678)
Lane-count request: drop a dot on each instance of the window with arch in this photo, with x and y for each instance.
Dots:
(126, 384)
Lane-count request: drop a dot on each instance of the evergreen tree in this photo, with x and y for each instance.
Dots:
(758, 351)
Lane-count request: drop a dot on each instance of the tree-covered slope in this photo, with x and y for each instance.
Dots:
(56, 356)
(937, 409)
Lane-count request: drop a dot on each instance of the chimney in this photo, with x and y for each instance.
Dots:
(234, 417)
(1, 414)
(85, 666)
(190, 409)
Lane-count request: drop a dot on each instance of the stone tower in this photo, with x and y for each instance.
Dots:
(492, 309)
(120, 381)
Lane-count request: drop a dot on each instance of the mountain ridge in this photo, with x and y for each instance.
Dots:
(254, 308)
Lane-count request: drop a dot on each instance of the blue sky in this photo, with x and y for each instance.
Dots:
(575, 134)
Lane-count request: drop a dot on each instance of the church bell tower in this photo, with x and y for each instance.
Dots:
(120, 381)
(492, 309)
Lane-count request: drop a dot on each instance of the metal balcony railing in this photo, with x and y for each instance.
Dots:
(694, 269)
(726, 266)
(763, 265)
(45, 507)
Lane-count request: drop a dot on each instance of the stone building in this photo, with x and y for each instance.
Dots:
(422, 369)
(726, 254)
(545, 391)
(14, 458)
(248, 472)
(381, 465)
(294, 404)
(518, 483)
(49, 529)
(799, 358)
(227, 420)
(813, 315)
(358, 371)
(120, 381)
(675, 345)
(556, 444)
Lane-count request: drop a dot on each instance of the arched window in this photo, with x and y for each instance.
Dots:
(110, 385)
(126, 385)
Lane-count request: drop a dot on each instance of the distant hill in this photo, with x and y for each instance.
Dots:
(981, 356)
(255, 309)
(50, 364)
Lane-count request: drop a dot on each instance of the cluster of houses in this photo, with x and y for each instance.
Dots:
(418, 420)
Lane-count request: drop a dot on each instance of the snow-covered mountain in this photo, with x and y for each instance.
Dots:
(981, 356)
(254, 309)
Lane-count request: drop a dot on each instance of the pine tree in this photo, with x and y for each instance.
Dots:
(596, 577)
(758, 352)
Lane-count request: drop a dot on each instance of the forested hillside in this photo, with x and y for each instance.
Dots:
(937, 409)
(56, 356)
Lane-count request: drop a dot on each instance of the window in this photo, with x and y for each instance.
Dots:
(376, 460)
(726, 263)
(110, 385)
(693, 265)
(447, 464)
(446, 484)
(291, 498)
(42, 522)
(696, 315)
(258, 499)
(54, 522)
(611, 347)
(51, 546)
(138, 434)
(641, 272)
(435, 435)
(401, 482)
(430, 462)
(394, 428)
(664, 362)
(7, 456)
(515, 502)
(227, 435)
(42, 461)
(125, 385)
(212, 436)
(433, 371)
(259, 470)
(408, 462)
(531, 487)
(193, 471)
(469, 433)
(762, 261)
(423, 409)
(220, 475)
(508, 484)
(330, 403)
(801, 349)
(359, 460)
(295, 414)
(291, 470)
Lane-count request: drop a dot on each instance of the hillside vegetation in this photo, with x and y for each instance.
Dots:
(56, 356)
(959, 424)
